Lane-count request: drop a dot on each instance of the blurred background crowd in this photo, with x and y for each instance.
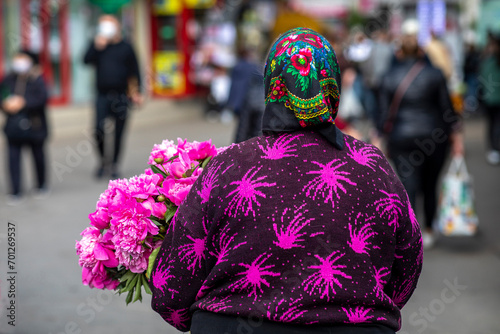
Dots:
(212, 51)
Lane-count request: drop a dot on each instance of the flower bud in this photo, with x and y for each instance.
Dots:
(162, 229)
(161, 198)
(159, 160)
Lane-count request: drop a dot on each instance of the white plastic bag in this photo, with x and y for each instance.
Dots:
(457, 216)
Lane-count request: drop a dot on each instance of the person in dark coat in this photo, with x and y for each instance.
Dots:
(118, 82)
(420, 125)
(301, 230)
(23, 100)
(245, 96)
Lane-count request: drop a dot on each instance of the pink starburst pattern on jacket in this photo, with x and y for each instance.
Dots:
(357, 315)
(209, 182)
(215, 305)
(359, 237)
(365, 155)
(290, 237)
(281, 148)
(390, 206)
(328, 181)
(379, 275)
(415, 226)
(161, 276)
(253, 277)
(225, 244)
(194, 252)
(400, 296)
(286, 311)
(177, 318)
(325, 278)
(246, 193)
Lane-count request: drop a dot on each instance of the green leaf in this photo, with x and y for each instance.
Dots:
(129, 297)
(128, 275)
(170, 213)
(157, 170)
(138, 290)
(172, 158)
(206, 161)
(145, 283)
(130, 283)
(151, 261)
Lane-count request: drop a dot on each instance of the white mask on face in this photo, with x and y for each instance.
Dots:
(107, 29)
(21, 65)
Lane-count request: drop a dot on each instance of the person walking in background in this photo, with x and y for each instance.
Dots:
(419, 123)
(489, 71)
(24, 99)
(245, 95)
(118, 85)
(308, 231)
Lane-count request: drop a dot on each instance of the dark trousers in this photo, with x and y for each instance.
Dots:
(419, 167)
(493, 117)
(15, 151)
(212, 323)
(114, 106)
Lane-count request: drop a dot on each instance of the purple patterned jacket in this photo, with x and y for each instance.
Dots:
(289, 229)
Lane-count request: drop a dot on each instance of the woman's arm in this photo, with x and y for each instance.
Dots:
(178, 273)
(408, 258)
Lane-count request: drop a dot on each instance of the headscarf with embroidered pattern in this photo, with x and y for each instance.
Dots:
(302, 84)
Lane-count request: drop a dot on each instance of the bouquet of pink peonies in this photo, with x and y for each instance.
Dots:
(118, 250)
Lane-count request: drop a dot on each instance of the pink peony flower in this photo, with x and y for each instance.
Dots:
(95, 252)
(197, 150)
(177, 190)
(97, 277)
(131, 227)
(100, 218)
(166, 150)
(157, 209)
(143, 186)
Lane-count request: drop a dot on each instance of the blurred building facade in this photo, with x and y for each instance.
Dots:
(166, 33)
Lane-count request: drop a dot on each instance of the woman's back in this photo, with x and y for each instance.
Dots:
(286, 228)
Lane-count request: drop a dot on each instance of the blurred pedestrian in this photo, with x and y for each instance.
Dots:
(117, 84)
(24, 100)
(420, 124)
(471, 65)
(245, 96)
(489, 73)
(308, 231)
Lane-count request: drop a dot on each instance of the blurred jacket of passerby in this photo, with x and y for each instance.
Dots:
(420, 124)
(490, 96)
(245, 97)
(24, 99)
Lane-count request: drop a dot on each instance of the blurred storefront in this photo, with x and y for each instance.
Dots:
(61, 30)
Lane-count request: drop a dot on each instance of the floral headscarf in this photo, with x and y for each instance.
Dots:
(302, 84)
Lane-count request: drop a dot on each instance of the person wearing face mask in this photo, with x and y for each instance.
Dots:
(23, 100)
(117, 85)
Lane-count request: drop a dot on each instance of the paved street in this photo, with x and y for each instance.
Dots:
(459, 291)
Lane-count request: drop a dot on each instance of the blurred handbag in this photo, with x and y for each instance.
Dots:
(456, 215)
